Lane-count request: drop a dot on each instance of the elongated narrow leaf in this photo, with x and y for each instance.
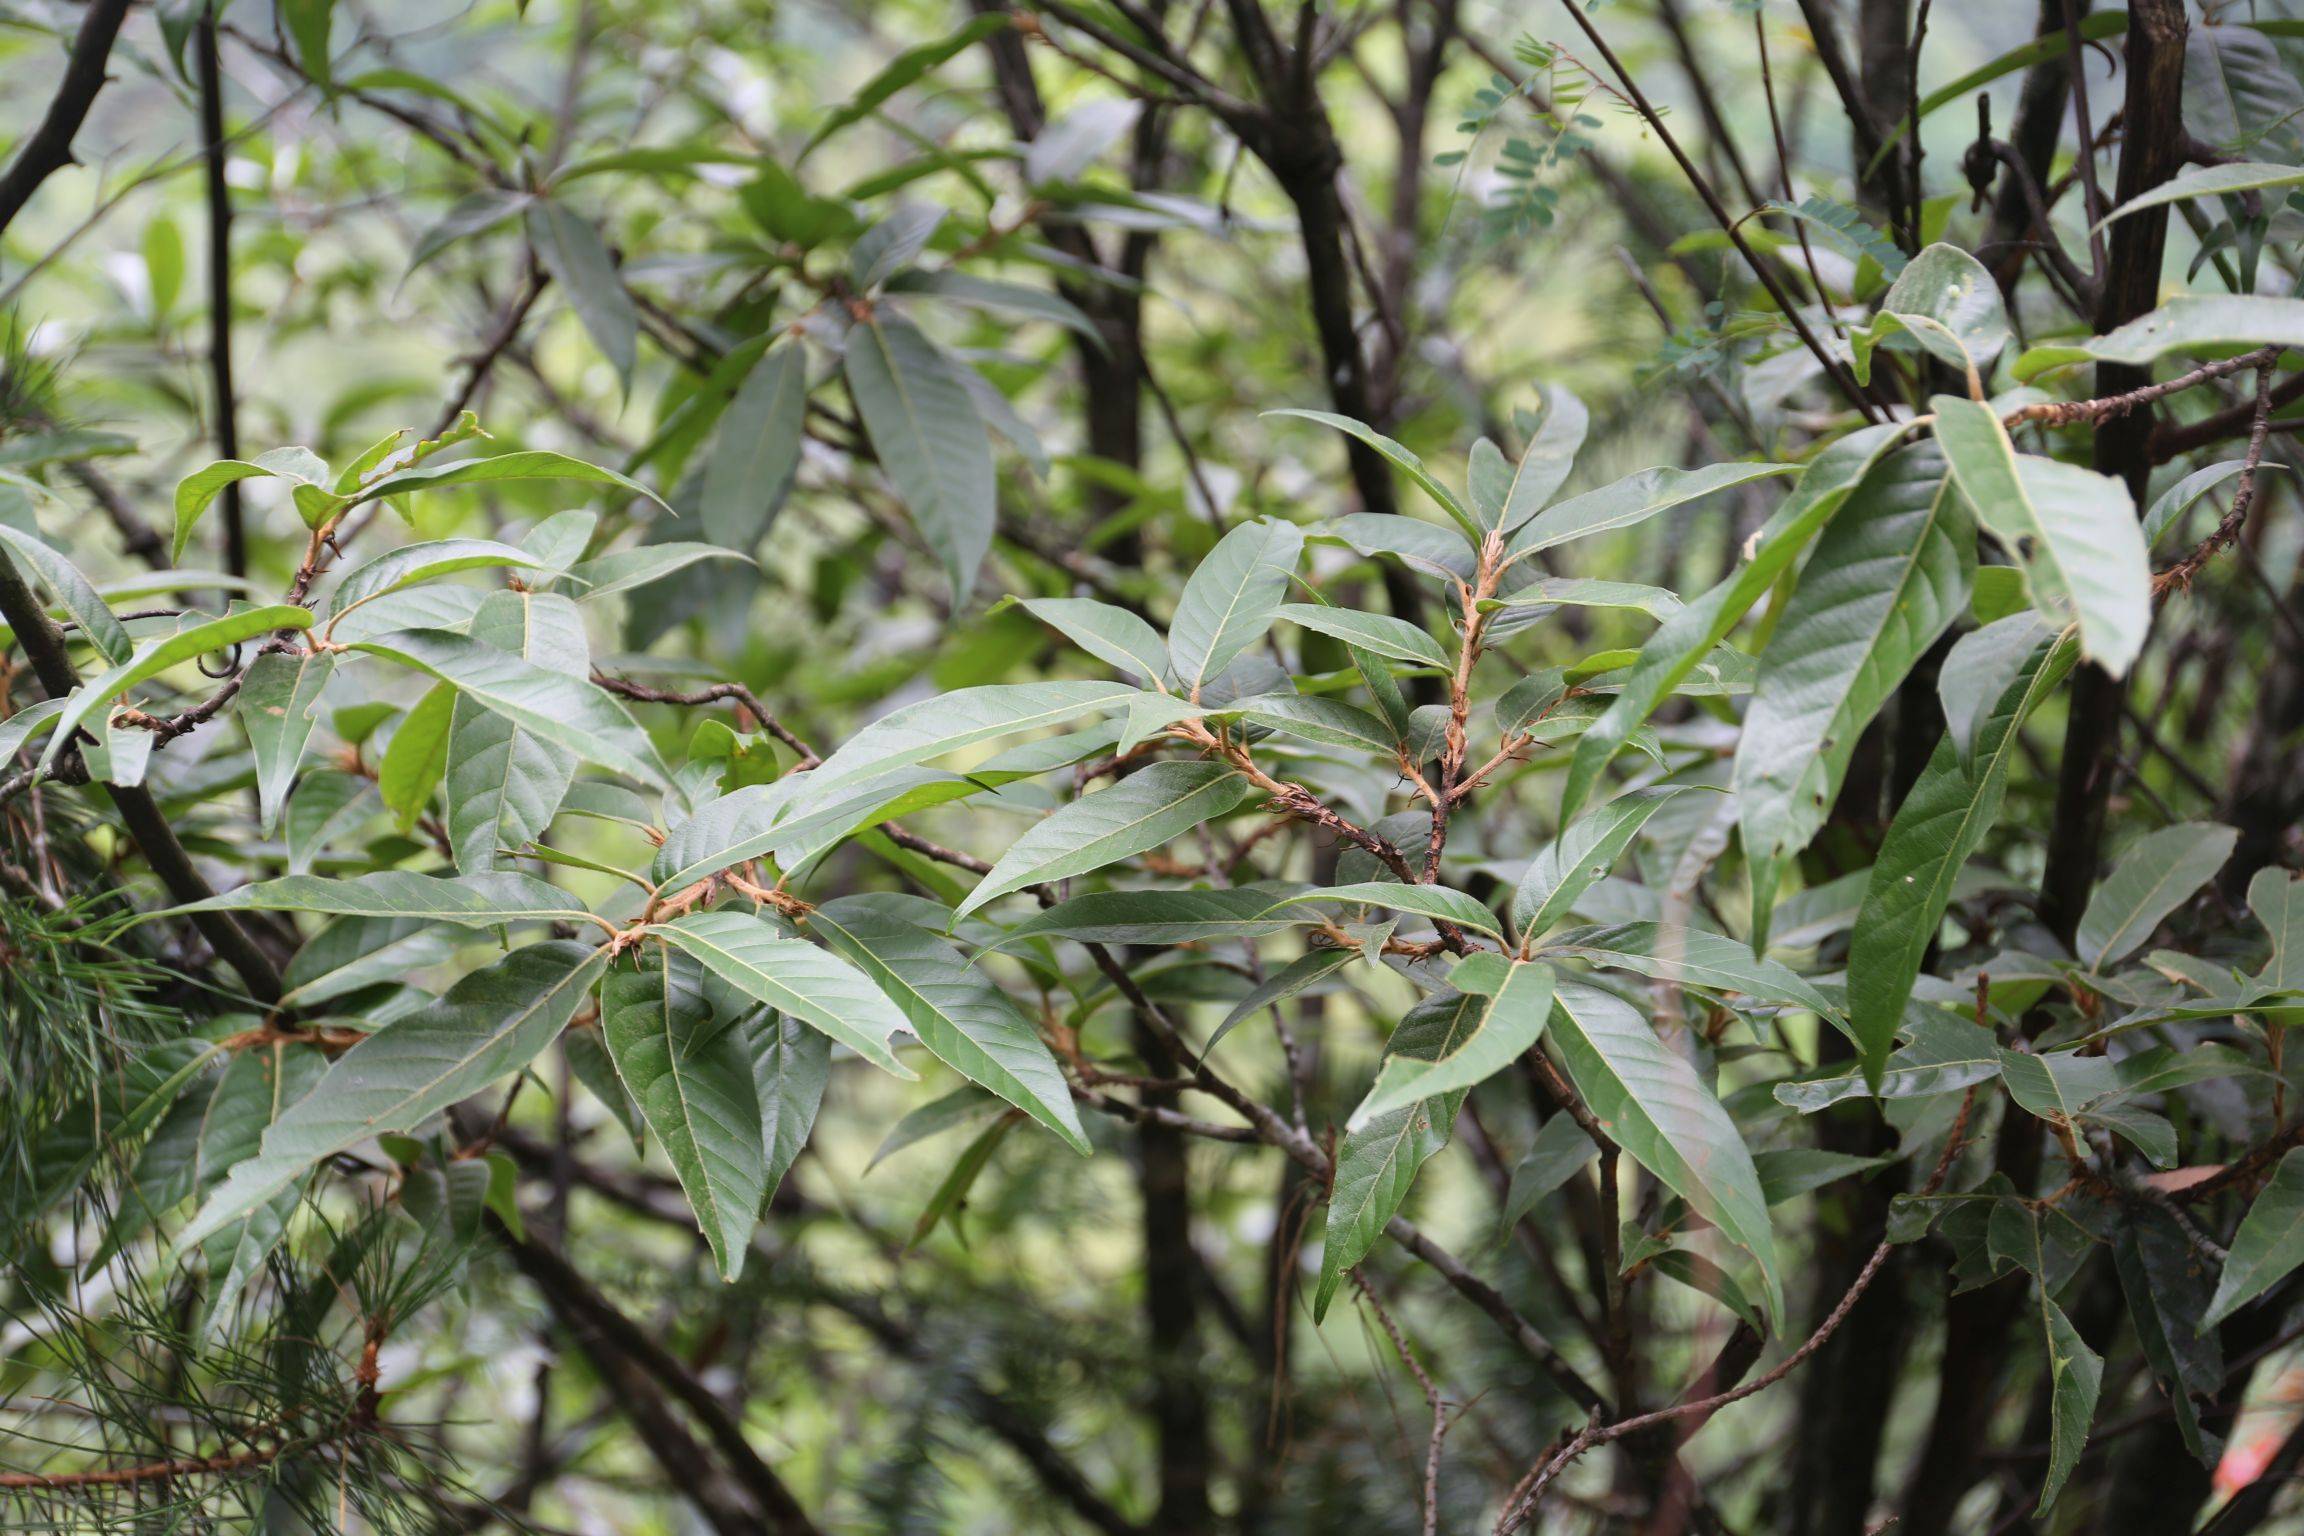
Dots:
(477, 901)
(1319, 719)
(1583, 853)
(2074, 531)
(692, 1079)
(1139, 812)
(916, 733)
(494, 1021)
(566, 711)
(158, 654)
(1299, 975)
(1942, 821)
(570, 248)
(2153, 878)
(1377, 632)
(416, 758)
(279, 702)
(2269, 1244)
(2186, 323)
(505, 781)
(1947, 301)
(955, 1009)
(1664, 1117)
(363, 952)
(1231, 599)
(412, 563)
(1433, 901)
(1693, 957)
(795, 977)
(1890, 575)
(2168, 1293)
(1399, 456)
(1688, 636)
(2228, 180)
(1377, 1162)
(1108, 633)
(757, 449)
(999, 298)
(790, 1065)
(72, 591)
(929, 438)
(1634, 499)
(1545, 464)
(527, 464)
(1515, 998)
(1163, 917)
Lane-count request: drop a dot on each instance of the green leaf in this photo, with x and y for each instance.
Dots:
(494, 1021)
(2278, 903)
(1297, 976)
(1633, 499)
(198, 491)
(929, 438)
(1110, 634)
(566, 711)
(1945, 1055)
(125, 1102)
(1401, 457)
(1949, 303)
(902, 71)
(416, 758)
(955, 1009)
(1125, 818)
(2209, 181)
(278, 703)
(476, 901)
(2269, 1244)
(1231, 599)
(1430, 549)
(2186, 323)
(2074, 531)
(362, 952)
(158, 654)
(2174, 502)
(790, 1065)
(23, 725)
(2157, 874)
(1941, 822)
(999, 298)
(1436, 902)
(1379, 633)
(505, 782)
(1665, 1119)
(1545, 465)
(692, 1078)
(1588, 592)
(1319, 719)
(1161, 917)
(915, 733)
(1513, 997)
(1377, 1163)
(501, 469)
(412, 563)
(1584, 852)
(571, 250)
(757, 449)
(1694, 958)
(208, 1129)
(1890, 575)
(2240, 92)
(326, 805)
(2076, 1375)
(621, 570)
(79, 600)
(2168, 1293)
(795, 977)
(1689, 635)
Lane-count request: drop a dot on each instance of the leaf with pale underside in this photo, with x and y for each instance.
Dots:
(1125, 818)
(1231, 599)
(795, 977)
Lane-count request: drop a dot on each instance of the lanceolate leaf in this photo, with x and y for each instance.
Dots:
(790, 1065)
(955, 1009)
(1377, 632)
(412, 563)
(919, 732)
(795, 977)
(416, 758)
(757, 449)
(492, 1022)
(527, 464)
(2152, 879)
(1377, 1162)
(1634, 499)
(2228, 180)
(1664, 1117)
(929, 438)
(1136, 813)
(1515, 999)
(1434, 901)
(2269, 1244)
(1943, 819)
(1163, 917)
(72, 591)
(1231, 599)
(278, 703)
(2186, 323)
(1583, 853)
(2073, 530)
(566, 711)
(157, 655)
(1108, 633)
(1400, 456)
(504, 780)
(571, 249)
(1693, 957)
(1889, 576)
(1947, 301)
(1689, 635)
(1550, 455)
(692, 1079)
(477, 901)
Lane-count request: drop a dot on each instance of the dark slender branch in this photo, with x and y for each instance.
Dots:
(48, 149)
(225, 403)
